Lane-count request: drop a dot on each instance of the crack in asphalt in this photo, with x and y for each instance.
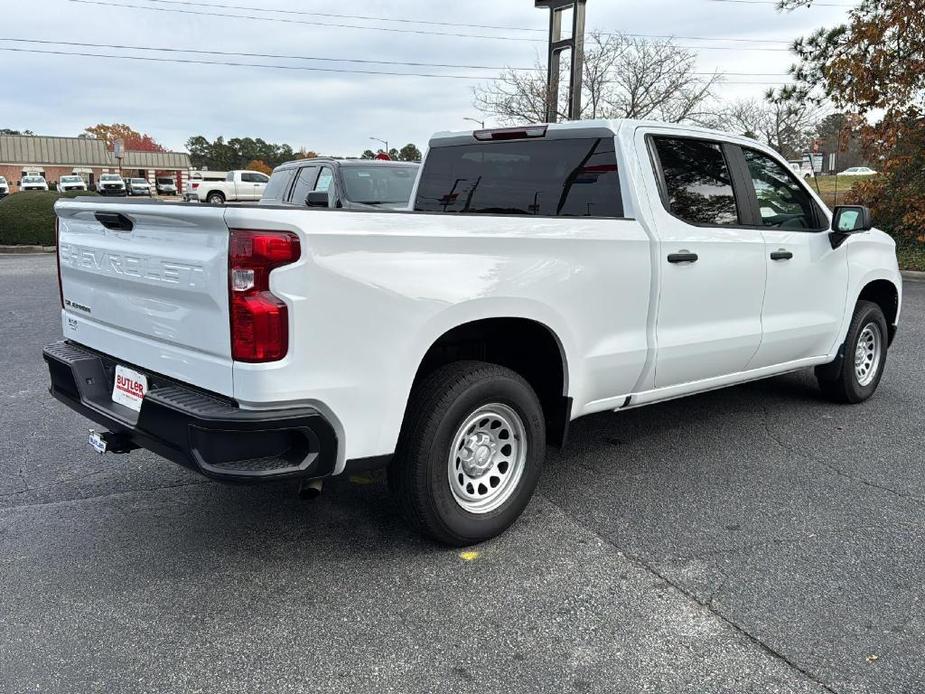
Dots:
(100, 496)
(51, 485)
(829, 466)
(705, 604)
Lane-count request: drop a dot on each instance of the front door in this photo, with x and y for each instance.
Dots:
(712, 264)
(807, 279)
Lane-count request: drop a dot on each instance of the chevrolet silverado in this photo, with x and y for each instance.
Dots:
(545, 273)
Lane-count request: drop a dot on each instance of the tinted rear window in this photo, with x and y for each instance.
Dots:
(379, 183)
(548, 178)
(279, 184)
(697, 181)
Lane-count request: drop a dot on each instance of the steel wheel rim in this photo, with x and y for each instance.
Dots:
(867, 354)
(487, 458)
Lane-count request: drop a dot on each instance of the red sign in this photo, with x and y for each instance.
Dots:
(382, 156)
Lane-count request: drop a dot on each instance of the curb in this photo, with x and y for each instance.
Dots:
(23, 250)
(913, 275)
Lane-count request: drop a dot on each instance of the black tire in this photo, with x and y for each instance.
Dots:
(843, 385)
(419, 475)
(215, 199)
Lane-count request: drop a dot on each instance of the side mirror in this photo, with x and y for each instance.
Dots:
(317, 198)
(847, 220)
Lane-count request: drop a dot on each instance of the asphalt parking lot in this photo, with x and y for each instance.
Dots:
(756, 539)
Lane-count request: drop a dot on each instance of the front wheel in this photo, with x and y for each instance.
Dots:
(470, 454)
(864, 358)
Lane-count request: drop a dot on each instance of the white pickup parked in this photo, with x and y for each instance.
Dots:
(238, 186)
(546, 273)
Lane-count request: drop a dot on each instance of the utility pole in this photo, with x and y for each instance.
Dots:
(557, 45)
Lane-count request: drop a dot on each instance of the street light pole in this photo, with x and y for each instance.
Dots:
(481, 123)
(557, 46)
(385, 142)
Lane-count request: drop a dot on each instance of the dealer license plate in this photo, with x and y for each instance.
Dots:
(129, 388)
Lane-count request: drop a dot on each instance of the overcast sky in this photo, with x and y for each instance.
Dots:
(328, 112)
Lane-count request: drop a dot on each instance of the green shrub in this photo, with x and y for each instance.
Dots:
(29, 218)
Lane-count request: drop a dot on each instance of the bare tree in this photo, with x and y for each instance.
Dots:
(623, 78)
(783, 125)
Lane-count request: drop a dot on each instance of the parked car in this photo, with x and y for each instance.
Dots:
(111, 184)
(238, 186)
(69, 183)
(545, 273)
(802, 169)
(4, 187)
(858, 171)
(33, 183)
(349, 185)
(139, 186)
(166, 186)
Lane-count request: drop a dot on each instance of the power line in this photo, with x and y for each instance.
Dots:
(305, 13)
(200, 51)
(237, 64)
(192, 61)
(774, 2)
(281, 20)
(425, 32)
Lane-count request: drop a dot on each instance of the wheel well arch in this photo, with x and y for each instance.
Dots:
(215, 191)
(886, 295)
(523, 345)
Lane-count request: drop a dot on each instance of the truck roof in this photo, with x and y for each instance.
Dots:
(344, 162)
(586, 128)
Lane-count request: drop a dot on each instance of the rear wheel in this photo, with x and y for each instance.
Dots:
(216, 199)
(471, 452)
(864, 359)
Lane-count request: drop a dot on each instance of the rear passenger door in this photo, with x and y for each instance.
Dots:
(304, 184)
(711, 262)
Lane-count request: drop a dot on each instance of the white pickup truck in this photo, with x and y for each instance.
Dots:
(238, 186)
(545, 273)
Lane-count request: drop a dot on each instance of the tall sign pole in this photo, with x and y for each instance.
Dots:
(557, 46)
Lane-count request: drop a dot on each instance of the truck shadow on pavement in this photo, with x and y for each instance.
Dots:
(358, 511)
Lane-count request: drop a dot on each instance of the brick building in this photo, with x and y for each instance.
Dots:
(54, 157)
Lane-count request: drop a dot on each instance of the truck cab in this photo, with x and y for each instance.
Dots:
(71, 183)
(111, 184)
(342, 184)
(33, 182)
(238, 186)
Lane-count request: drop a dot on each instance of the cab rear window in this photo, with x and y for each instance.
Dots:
(546, 178)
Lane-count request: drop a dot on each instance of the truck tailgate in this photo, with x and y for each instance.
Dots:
(148, 283)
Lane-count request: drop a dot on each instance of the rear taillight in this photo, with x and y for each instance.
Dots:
(259, 320)
(194, 185)
(58, 260)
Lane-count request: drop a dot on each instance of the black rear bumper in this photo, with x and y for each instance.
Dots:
(201, 431)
